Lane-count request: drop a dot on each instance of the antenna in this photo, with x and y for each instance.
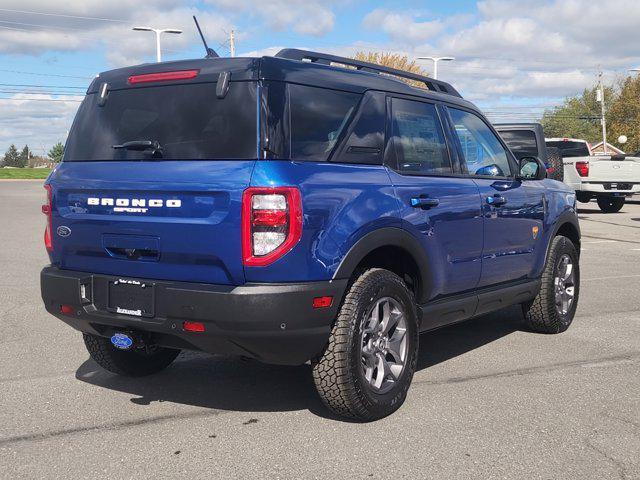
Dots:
(211, 53)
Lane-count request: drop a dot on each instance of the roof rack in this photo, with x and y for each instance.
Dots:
(326, 59)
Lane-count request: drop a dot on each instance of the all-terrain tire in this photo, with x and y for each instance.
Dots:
(338, 373)
(554, 159)
(541, 314)
(610, 204)
(130, 363)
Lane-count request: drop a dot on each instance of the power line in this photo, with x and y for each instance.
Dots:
(38, 100)
(37, 86)
(80, 17)
(45, 74)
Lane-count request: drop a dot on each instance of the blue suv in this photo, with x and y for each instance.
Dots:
(292, 209)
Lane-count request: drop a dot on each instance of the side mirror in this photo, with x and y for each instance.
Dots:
(531, 168)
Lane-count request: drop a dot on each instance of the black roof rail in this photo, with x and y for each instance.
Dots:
(327, 59)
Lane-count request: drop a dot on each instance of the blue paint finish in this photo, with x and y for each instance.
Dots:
(341, 203)
(510, 242)
(450, 233)
(198, 242)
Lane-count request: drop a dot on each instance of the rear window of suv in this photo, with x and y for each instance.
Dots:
(189, 122)
(521, 142)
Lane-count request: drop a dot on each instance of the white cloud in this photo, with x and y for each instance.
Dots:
(306, 17)
(36, 120)
(402, 27)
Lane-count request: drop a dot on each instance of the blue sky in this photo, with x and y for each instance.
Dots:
(513, 58)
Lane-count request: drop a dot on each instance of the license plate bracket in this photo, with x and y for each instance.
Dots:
(131, 297)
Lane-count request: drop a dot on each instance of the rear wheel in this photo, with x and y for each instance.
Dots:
(136, 362)
(367, 368)
(554, 307)
(610, 204)
(583, 197)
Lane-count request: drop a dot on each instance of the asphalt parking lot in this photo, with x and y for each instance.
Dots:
(490, 399)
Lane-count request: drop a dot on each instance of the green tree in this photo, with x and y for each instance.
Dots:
(23, 158)
(623, 116)
(578, 116)
(56, 152)
(11, 157)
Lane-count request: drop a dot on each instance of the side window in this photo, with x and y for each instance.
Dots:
(318, 117)
(483, 152)
(418, 140)
(366, 138)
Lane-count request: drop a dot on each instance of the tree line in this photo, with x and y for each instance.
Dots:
(579, 115)
(25, 157)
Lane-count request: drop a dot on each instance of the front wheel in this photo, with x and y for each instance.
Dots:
(554, 307)
(367, 367)
(136, 362)
(610, 204)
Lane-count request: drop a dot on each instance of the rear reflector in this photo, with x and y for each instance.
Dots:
(322, 302)
(67, 309)
(163, 76)
(582, 168)
(46, 209)
(193, 326)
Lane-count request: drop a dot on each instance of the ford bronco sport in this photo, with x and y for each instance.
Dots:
(292, 209)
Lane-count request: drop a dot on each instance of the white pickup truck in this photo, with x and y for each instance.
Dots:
(607, 178)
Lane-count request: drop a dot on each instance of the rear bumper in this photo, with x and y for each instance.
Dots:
(273, 323)
(621, 189)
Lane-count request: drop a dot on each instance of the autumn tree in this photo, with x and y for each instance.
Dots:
(623, 116)
(393, 60)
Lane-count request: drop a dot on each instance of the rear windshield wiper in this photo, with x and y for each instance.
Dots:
(141, 146)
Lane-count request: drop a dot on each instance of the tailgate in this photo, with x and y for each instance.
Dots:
(605, 170)
(168, 220)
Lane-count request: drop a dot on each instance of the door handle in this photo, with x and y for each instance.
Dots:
(496, 200)
(424, 203)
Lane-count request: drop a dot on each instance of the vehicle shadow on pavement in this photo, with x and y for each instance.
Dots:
(242, 385)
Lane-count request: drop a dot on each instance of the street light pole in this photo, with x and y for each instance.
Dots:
(435, 63)
(157, 31)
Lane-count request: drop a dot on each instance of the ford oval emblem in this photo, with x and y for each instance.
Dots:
(64, 231)
(122, 341)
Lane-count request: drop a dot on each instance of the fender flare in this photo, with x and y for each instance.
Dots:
(566, 217)
(388, 237)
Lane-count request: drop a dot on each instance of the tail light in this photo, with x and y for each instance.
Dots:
(582, 168)
(271, 224)
(46, 209)
(163, 76)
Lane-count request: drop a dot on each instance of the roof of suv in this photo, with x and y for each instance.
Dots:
(290, 66)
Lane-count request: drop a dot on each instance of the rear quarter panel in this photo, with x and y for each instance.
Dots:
(341, 203)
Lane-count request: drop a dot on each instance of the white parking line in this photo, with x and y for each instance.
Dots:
(600, 241)
(610, 278)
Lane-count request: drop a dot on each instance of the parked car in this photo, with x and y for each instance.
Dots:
(290, 210)
(610, 179)
(527, 140)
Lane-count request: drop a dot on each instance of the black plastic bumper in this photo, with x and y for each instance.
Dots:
(274, 323)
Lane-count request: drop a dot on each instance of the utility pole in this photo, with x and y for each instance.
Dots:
(603, 120)
(435, 63)
(157, 31)
(232, 43)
